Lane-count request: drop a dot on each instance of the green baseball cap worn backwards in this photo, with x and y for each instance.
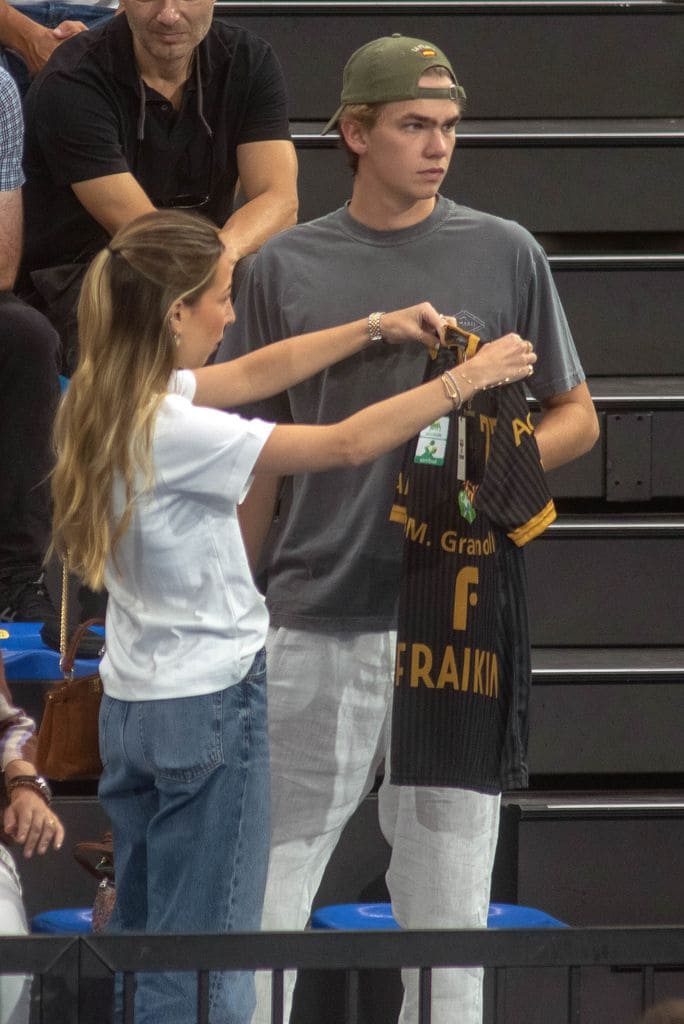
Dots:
(388, 69)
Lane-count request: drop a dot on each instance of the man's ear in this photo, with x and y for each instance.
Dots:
(355, 135)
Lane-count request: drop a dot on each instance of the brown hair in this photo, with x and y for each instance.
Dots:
(127, 353)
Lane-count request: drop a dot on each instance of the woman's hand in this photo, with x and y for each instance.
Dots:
(31, 823)
(420, 323)
(508, 359)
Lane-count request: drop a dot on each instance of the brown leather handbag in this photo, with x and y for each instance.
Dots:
(68, 746)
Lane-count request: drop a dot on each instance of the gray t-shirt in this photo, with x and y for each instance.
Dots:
(335, 559)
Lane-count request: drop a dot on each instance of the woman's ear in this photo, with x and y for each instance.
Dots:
(176, 316)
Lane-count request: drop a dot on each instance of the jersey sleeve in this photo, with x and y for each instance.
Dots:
(514, 492)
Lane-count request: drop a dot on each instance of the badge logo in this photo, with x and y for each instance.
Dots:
(431, 447)
(469, 322)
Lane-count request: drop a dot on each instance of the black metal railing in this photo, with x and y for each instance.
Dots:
(645, 949)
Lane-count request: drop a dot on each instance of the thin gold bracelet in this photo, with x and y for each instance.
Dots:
(455, 384)
(452, 390)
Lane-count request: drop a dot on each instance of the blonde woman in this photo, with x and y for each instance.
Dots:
(146, 490)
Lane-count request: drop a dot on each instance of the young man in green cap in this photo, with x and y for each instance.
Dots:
(334, 564)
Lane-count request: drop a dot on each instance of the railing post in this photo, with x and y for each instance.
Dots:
(203, 997)
(499, 994)
(647, 987)
(351, 996)
(129, 997)
(574, 995)
(277, 984)
(425, 996)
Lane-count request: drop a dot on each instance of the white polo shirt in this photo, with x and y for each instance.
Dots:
(184, 617)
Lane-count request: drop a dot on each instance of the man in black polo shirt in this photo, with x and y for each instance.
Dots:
(160, 108)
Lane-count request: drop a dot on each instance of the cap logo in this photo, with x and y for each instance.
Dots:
(425, 51)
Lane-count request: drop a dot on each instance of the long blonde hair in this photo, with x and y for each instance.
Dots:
(127, 354)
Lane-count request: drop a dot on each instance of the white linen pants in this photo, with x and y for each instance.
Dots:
(15, 989)
(330, 698)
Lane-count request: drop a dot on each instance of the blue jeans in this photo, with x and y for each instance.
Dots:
(186, 786)
(50, 15)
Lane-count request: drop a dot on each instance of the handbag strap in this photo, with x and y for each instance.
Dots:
(102, 850)
(64, 612)
(67, 651)
(70, 657)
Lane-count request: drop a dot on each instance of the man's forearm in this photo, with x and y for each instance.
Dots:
(16, 30)
(257, 221)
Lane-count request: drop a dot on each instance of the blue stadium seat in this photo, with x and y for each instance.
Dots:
(25, 656)
(368, 916)
(67, 921)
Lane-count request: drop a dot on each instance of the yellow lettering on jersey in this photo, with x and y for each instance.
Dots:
(399, 664)
(448, 673)
(465, 674)
(414, 532)
(489, 546)
(453, 544)
(477, 678)
(487, 427)
(421, 663)
(492, 676)
(402, 484)
(449, 541)
(521, 427)
(464, 595)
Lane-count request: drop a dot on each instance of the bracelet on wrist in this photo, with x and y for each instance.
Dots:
(374, 330)
(452, 390)
(35, 782)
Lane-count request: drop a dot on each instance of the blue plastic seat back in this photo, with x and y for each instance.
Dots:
(368, 916)
(25, 656)
(67, 921)
(354, 916)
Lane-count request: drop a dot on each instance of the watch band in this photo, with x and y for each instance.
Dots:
(374, 332)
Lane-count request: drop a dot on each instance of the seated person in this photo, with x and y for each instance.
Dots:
(162, 107)
(29, 821)
(29, 32)
(29, 392)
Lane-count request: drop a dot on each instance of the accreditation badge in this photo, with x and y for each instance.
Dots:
(431, 446)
